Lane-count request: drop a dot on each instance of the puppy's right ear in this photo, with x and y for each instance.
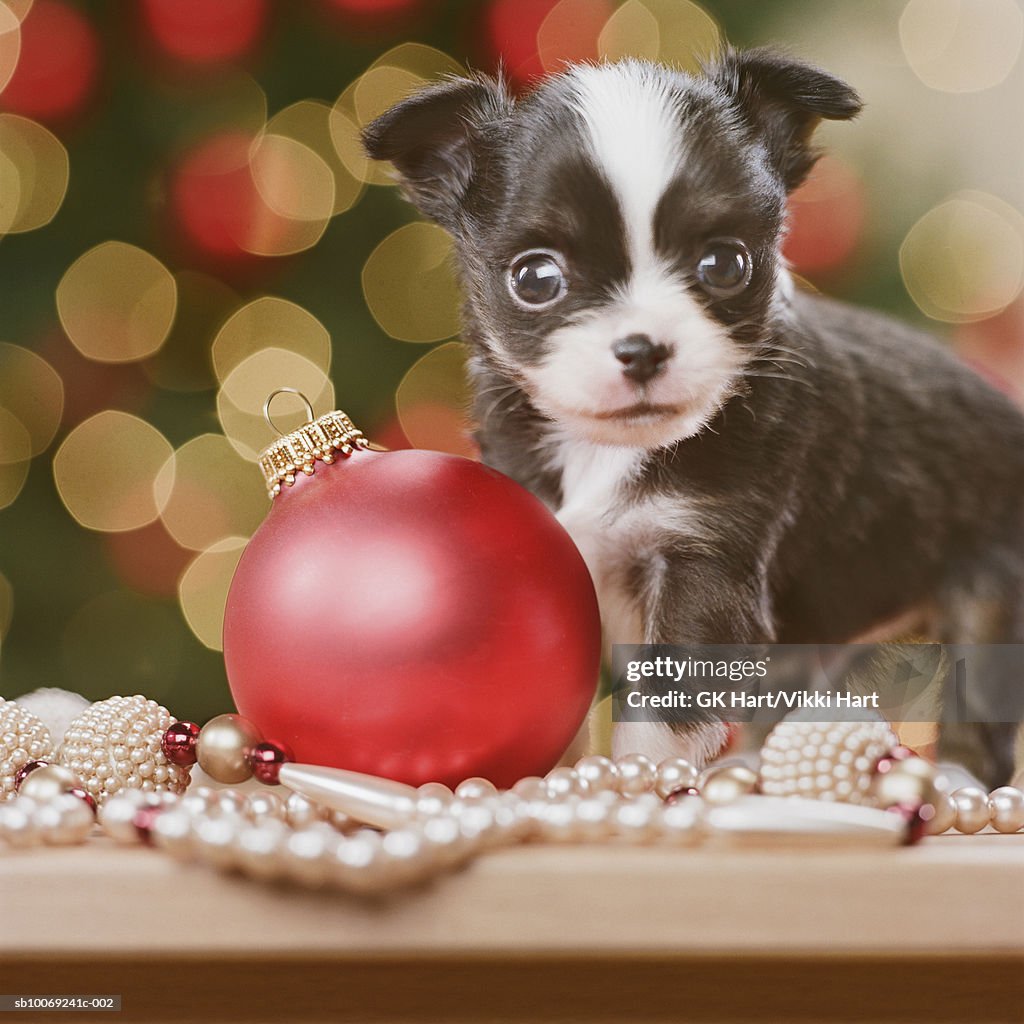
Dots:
(434, 138)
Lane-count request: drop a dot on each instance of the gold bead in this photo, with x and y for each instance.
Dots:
(222, 748)
(972, 810)
(1006, 806)
(728, 783)
(48, 783)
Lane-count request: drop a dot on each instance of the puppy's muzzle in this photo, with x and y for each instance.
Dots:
(641, 358)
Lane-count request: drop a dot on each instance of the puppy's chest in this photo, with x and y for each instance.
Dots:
(602, 520)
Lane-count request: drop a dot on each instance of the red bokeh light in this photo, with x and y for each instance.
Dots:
(58, 66)
(204, 31)
(148, 560)
(827, 216)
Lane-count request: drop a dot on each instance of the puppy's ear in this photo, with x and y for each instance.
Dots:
(434, 138)
(784, 100)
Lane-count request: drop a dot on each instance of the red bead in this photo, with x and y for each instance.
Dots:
(85, 795)
(678, 794)
(915, 817)
(266, 759)
(179, 743)
(27, 768)
(145, 818)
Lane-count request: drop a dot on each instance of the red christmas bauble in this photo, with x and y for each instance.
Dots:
(413, 615)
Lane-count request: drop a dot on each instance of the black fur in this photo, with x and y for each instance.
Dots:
(860, 470)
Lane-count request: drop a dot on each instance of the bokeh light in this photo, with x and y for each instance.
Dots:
(962, 45)
(270, 322)
(409, 285)
(203, 590)
(964, 259)
(826, 217)
(676, 32)
(10, 43)
(33, 174)
(32, 391)
(309, 122)
(6, 605)
(15, 453)
(247, 387)
(200, 32)
(395, 75)
(117, 303)
(292, 180)
(106, 469)
(570, 32)
(433, 402)
(51, 81)
(183, 362)
(207, 492)
(149, 560)
(122, 639)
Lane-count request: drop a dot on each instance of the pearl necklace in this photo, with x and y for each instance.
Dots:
(821, 782)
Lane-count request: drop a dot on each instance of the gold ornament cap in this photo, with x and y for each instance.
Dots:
(320, 439)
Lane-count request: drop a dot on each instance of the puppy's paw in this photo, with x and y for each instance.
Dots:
(698, 744)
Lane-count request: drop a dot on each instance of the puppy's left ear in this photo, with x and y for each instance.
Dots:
(434, 138)
(784, 100)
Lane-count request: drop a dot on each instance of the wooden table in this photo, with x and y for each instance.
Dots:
(932, 933)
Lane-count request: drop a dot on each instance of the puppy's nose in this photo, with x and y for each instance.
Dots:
(641, 358)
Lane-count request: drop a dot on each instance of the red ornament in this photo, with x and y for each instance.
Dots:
(266, 759)
(412, 615)
(201, 32)
(57, 66)
(25, 770)
(179, 743)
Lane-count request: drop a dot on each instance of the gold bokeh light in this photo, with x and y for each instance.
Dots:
(433, 401)
(270, 322)
(962, 45)
(391, 77)
(33, 174)
(15, 453)
(964, 259)
(106, 469)
(409, 286)
(6, 606)
(677, 32)
(117, 303)
(203, 590)
(240, 399)
(32, 390)
(309, 122)
(207, 492)
(10, 43)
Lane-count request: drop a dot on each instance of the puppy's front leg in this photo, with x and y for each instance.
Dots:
(698, 599)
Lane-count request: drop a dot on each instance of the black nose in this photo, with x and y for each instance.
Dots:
(641, 358)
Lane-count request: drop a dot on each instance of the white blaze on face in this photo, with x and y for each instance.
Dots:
(633, 130)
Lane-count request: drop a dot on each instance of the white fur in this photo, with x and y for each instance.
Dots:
(634, 135)
(57, 708)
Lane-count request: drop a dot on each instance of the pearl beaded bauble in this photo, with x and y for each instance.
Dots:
(115, 744)
(824, 760)
(23, 737)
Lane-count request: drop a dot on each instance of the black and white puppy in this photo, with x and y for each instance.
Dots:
(738, 461)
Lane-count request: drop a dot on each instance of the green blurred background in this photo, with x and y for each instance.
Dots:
(166, 164)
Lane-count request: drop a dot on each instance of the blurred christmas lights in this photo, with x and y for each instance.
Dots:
(962, 45)
(117, 303)
(106, 468)
(33, 174)
(409, 286)
(10, 43)
(433, 401)
(964, 259)
(200, 32)
(33, 392)
(203, 589)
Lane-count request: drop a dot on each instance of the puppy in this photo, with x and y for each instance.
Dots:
(738, 461)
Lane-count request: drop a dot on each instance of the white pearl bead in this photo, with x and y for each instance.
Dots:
(1006, 806)
(48, 783)
(680, 820)
(563, 782)
(444, 834)
(433, 798)
(475, 789)
(306, 853)
(944, 816)
(592, 819)
(727, 783)
(259, 806)
(675, 773)
(972, 810)
(532, 787)
(259, 848)
(356, 864)
(557, 821)
(16, 822)
(214, 838)
(172, 831)
(20, 732)
(634, 821)
(635, 774)
(597, 771)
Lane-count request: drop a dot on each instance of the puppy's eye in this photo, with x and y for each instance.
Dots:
(725, 268)
(536, 279)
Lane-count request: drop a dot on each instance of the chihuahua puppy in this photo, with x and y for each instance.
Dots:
(737, 460)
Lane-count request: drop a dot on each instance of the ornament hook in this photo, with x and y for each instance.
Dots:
(310, 414)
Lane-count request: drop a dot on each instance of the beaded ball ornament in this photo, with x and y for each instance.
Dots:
(23, 738)
(115, 744)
